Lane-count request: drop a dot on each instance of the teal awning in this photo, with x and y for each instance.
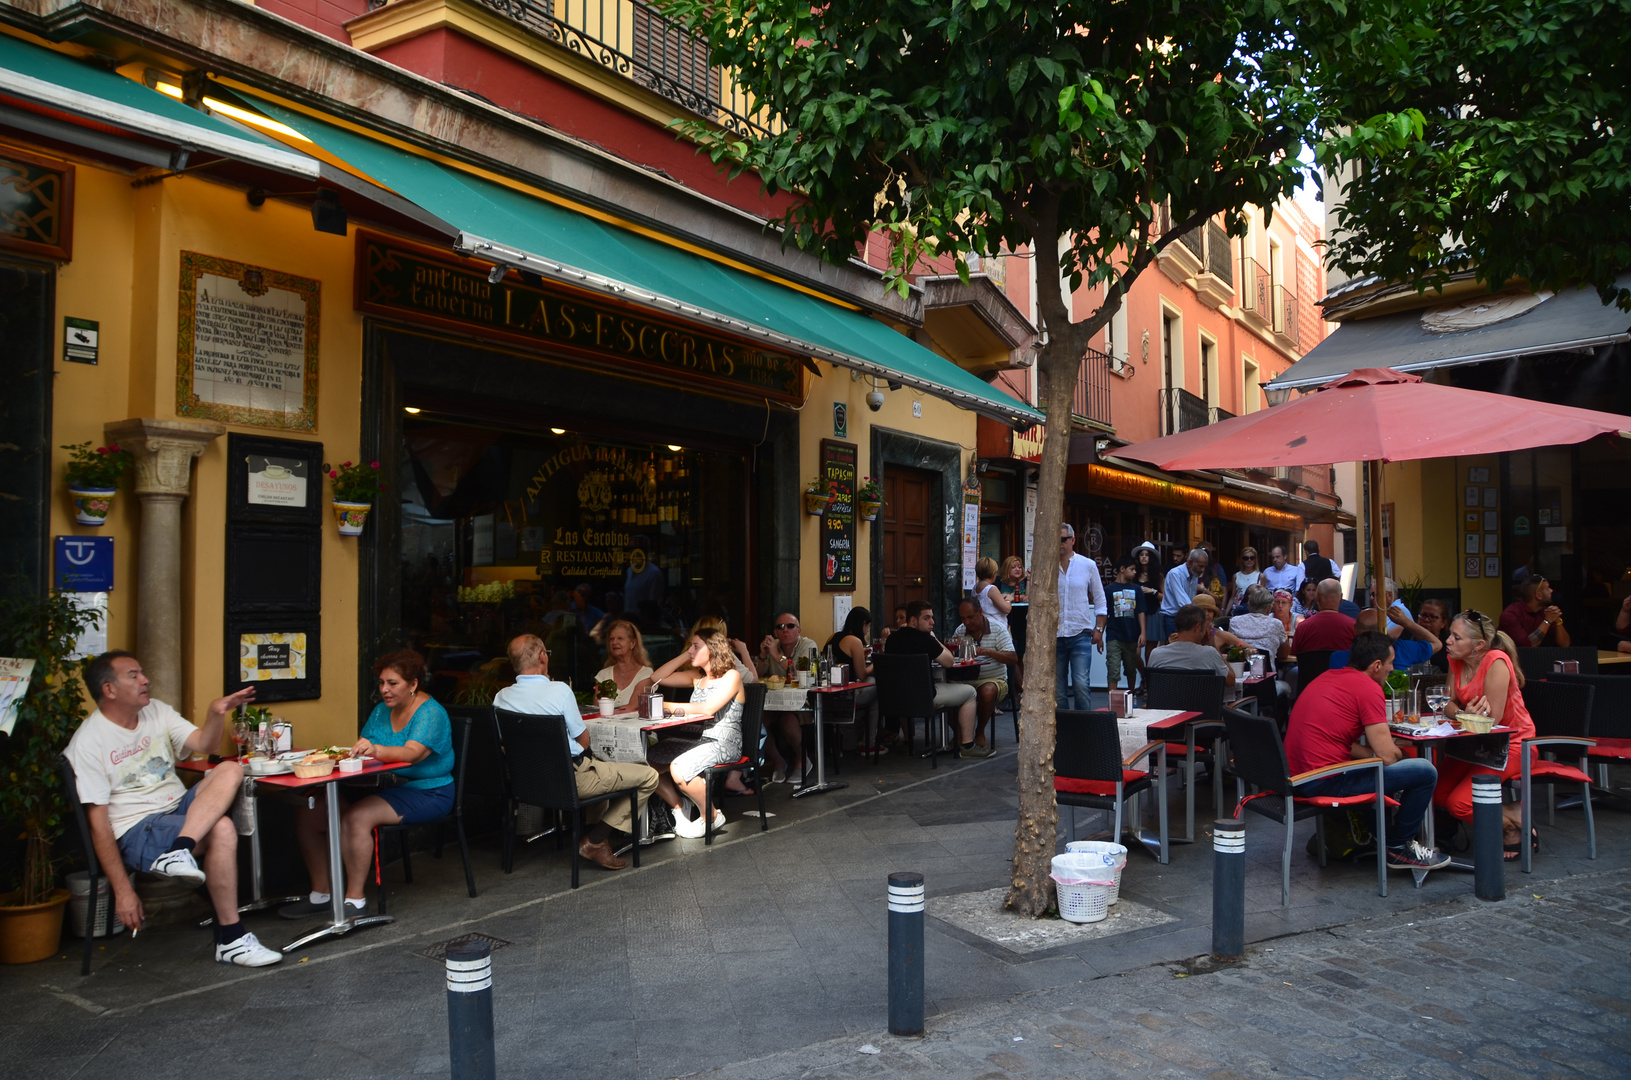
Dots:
(34, 74)
(509, 227)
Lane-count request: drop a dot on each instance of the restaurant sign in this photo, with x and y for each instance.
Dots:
(838, 467)
(426, 286)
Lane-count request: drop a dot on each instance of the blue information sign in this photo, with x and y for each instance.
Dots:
(85, 563)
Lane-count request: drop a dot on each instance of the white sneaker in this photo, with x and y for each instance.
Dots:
(246, 952)
(688, 828)
(179, 865)
(719, 819)
(779, 776)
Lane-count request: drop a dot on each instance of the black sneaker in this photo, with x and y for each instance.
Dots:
(304, 909)
(661, 823)
(1415, 856)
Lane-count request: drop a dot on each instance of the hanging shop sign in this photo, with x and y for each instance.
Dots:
(426, 286)
(838, 461)
(247, 344)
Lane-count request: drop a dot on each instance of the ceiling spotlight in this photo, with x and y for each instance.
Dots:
(409, 409)
(496, 274)
(558, 430)
(674, 448)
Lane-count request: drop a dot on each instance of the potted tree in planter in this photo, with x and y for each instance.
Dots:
(1237, 658)
(93, 479)
(606, 696)
(353, 489)
(32, 802)
(818, 495)
(870, 497)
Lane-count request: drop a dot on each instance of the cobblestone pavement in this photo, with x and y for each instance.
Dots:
(1538, 986)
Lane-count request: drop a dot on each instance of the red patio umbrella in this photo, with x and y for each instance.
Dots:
(1377, 415)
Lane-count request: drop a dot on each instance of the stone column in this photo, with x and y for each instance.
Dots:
(164, 451)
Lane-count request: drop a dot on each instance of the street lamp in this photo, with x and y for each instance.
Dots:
(1276, 395)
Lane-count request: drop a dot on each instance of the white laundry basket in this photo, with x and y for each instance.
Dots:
(1083, 883)
(1104, 847)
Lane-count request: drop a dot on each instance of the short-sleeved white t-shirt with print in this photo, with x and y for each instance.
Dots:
(131, 772)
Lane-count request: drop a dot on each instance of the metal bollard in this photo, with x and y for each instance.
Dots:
(1228, 889)
(906, 954)
(1489, 867)
(470, 1010)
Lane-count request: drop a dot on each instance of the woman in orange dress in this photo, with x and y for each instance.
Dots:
(1485, 679)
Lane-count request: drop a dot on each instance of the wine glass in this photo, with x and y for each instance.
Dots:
(240, 733)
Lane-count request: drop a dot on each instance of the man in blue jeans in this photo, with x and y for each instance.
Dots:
(1082, 611)
(1342, 716)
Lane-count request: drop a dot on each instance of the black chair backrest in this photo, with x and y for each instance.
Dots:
(1188, 691)
(70, 793)
(461, 754)
(1259, 754)
(539, 759)
(905, 685)
(1537, 663)
(1610, 705)
(1087, 745)
(1559, 708)
(753, 722)
(1311, 664)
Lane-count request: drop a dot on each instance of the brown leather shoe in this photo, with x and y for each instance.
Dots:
(601, 854)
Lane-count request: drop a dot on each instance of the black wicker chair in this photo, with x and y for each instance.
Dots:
(906, 690)
(1610, 721)
(538, 772)
(1562, 715)
(461, 754)
(1199, 692)
(1311, 664)
(751, 763)
(1089, 771)
(93, 868)
(1260, 760)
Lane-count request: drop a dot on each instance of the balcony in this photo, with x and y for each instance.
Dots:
(1200, 259)
(1256, 293)
(1182, 411)
(1091, 403)
(632, 40)
(1286, 315)
(1215, 414)
(1289, 477)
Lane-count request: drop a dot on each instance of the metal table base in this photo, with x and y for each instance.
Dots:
(339, 924)
(822, 784)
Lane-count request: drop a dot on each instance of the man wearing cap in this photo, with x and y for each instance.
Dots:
(1082, 611)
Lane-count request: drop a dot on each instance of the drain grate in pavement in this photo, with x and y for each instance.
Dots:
(438, 951)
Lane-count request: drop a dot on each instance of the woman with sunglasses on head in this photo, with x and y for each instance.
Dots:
(1485, 679)
(1248, 575)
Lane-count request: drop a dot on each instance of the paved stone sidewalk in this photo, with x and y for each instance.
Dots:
(1536, 986)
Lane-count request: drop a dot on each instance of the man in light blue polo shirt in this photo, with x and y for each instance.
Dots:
(1182, 583)
(535, 694)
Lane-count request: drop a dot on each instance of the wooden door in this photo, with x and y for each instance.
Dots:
(907, 519)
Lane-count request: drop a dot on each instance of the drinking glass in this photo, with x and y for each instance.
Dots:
(240, 734)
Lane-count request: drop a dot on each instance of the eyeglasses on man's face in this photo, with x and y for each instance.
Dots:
(787, 626)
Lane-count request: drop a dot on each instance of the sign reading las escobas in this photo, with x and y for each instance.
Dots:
(427, 287)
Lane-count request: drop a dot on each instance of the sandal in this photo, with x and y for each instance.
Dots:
(1510, 852)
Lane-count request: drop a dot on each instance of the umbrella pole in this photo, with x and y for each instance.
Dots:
(1378, 578)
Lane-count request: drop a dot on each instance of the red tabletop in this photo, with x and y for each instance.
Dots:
(370, 767)
(836, 689)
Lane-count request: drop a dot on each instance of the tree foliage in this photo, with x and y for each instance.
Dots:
(968, 126)
(1485, 134)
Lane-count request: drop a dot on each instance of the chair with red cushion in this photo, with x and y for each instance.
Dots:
(1199, 692)
(1610, 720)
(1089, 771)
(751, 763)
(1562, 712)
(1260, 760)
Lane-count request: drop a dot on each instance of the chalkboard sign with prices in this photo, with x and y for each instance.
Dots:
(838, 467)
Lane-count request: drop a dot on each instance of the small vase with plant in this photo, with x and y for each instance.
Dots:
(818, 495)
(32, 800)
(870, 497)
(93, 479)
(606, 696)
(1237, 656)
(353, 490)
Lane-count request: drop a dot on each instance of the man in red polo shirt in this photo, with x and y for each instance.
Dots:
(1327, 628)
(1342, 716)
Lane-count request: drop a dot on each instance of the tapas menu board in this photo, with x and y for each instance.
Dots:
(838, 468)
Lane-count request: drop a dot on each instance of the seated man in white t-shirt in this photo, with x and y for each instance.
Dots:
(124, 757)
(1188, 651)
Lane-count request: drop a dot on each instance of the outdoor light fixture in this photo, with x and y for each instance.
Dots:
(674, 448)
(1278, 395)
(327, 215)
(557, 431)
(410, 410)
(496, 274)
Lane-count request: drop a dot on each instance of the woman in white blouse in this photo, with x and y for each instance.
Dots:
(629, 666)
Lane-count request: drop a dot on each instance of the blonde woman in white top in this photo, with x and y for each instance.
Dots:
(630, 666)
(995, 605)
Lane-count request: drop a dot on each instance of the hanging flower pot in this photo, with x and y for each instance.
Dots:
(869, 510)
(31, 932)
(815, 503)
(351, 516)
(869, 496)
(91, 504)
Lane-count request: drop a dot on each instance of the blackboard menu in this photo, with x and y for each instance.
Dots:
(838, 523)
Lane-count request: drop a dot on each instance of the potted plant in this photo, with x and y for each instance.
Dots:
(818, 495)
(353, 489)
(1237, 657)
(606, 696)
(803, 666)
(93, 478)
(870, 496)
(42, 629)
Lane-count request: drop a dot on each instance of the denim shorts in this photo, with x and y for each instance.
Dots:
(418, 805)
(155, 834)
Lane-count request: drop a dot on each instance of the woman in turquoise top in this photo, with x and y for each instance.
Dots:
(407, 725)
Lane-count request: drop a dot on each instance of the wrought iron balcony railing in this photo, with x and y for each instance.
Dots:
(1215, 414)
(1092, 399)
(1218, 262)
(1286, 313)
(1256, 290)
(1182, 411)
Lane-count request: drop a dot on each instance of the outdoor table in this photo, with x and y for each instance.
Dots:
(1428, 746)
(621, 736)
(792, 700)
(1138, 728)
(964, 670)
(339, 923)
(257, 901)
(1166, 727)
(1606, 657)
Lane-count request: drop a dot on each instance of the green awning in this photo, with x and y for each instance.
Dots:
(34, 74)
(505, 226)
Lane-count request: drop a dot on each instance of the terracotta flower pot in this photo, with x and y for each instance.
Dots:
(91, 504)
(33, 932)
(870, 510)
(815, 504)
(351, 516)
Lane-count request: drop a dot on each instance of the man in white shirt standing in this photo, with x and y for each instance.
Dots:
(1182, 583)
(1283, 575)
(1082, 612)
(124, 757)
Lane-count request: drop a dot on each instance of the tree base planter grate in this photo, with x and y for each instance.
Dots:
(438, 952)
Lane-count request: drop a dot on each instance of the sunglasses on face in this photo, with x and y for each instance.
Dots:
(787, 626)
